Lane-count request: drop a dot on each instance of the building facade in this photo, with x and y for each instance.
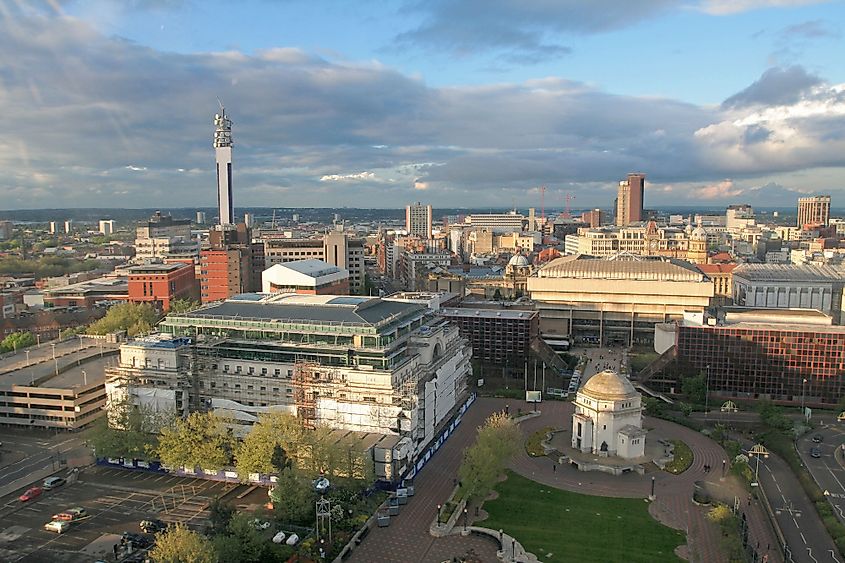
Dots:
(308, 277)
(813, 210)
(418, 220)
(160, 284)
(629, 200)
(497, 336)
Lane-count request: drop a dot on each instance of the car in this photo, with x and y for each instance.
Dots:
(817, 438)
(152, 526)
(260, 524)
(321, 485)
(52, 482)
(841, 417)
(279, 537)
(293, 539)
(138, 540)
(58, 526)
(72, 514)
(815, 452)
(31, 493)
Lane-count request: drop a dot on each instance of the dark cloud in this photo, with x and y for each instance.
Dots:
(97, 121)
(522, 30)
(777, 86)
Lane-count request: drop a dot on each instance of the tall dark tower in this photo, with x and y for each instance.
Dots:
(223, 155)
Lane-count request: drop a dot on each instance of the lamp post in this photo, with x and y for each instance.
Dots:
(803, 383)
(55, 361)
(707, 392)
(465, 519)
(652, 488)
(439, 506)
(758, 451)
(27, 357)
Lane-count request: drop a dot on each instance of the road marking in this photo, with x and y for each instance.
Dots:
(810, 552)
(803, 539)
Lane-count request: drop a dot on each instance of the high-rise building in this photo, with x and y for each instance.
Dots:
(249, 219)
(629, 200)
(418, 220)
(814, 210)
(7, 230)
(200, 218)
(223, 156)
(68, 226)
(163, 237)
(53, 227)
(107, 226)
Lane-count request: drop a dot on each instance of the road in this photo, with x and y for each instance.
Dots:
(826, 470)
(27, 452)
(805, 534)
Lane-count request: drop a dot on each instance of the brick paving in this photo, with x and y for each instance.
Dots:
(407, 539)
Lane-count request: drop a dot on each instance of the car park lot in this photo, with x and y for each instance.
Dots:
(115, 500)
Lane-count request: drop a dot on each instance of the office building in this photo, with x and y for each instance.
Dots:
(88, 294)
(68, 226)
(814, 211)
(497, 336)
(335, 248)
(629, 200)
(786, 286)
(354, 363)
(54, 229)
(497, 222)
(418, 220)
(618, 299)
(593, 218)
(160, 284)
(107, 226)
(787, 356)
(249, 219)
(223, 157)
(738, 217)
(309, 277)
(162, 237)
(200, 218)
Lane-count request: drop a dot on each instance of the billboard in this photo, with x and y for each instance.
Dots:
(533, 396)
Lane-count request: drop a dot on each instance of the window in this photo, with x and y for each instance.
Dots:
(251, 371)
(263, 371)
(226, 368)
(238, 369)
(277, 372)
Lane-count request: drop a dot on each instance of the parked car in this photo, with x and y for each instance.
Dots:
(53, 482)
(31, 493)
(152, 526)
(138, 540)
(841, 416)
(279, 537)
(58, 526)
(293, 539)
(815, 452)
(71, 514)
(817, 438)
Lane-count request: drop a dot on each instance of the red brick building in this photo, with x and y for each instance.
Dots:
(224, 273)
(160, 284)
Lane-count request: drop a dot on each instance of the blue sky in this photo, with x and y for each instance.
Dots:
(467, 102)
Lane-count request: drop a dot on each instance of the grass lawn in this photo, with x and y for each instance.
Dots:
(575, 527)
(683, 458)
(532, 445)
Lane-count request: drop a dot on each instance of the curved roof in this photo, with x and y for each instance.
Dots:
(622, 267)
(518, 260)
(609, 386)
(699, 233)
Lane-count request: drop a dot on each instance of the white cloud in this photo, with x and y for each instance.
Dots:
(727, 7)
(348, 177)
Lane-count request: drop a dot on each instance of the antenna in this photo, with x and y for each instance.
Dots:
(219, 103)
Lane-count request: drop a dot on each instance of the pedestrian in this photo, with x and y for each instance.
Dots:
(554, 468)
(114, 548)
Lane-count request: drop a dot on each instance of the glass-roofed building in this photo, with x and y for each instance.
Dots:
(356, 363)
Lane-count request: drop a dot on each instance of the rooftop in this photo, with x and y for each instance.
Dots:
(788, 273)
(104, 285)
(157, 268)
(488, 313)
(609, 385)
(622, 267)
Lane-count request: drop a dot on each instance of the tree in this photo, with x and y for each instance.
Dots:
(497, 441)
(17, 341)
(127, 431)
(183, 305)
(695, 389)
(241, 543)
(180, 545)
(292, 498)
(219, 515)
(279, 459)
(200, 440)
(255, 453)
(134, 318)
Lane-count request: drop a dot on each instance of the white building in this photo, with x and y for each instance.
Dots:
(608, 417)
(107, 226)
(497, 222)
(305, 276)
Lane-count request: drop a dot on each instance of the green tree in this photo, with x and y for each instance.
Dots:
(219, 515)
(183, 305)
(241, 543)
(126, 431)
(497, 441)
(134, 318)
(200, 440)
(255, 454)
(17, 341)
(279, 459)
(695, 389)
(180, 545)
(292, 498)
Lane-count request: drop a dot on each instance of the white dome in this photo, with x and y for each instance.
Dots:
(699, 233)
(609, 386)
(518, 260)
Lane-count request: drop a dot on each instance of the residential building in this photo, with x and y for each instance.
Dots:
(7, 230)
(106, 226)
(161, 284)
(497, 336)
(618, 299)
(163, 237)
(813, 210)
(786, 286)
(497, 222)
(418, 220)
(629, 200)
(68, 226)
(310, 277)
(224, 272)
(593, 218)
(54, 229)
(792, 357)
(354, 363)
(200, 220)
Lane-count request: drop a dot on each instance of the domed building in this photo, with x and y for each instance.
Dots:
(608, 417)
(697, 246)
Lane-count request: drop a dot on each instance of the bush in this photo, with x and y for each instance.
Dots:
(683, 458)
(533, 445)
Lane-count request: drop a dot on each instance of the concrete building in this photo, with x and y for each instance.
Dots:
(413, 267)
(54, 228)
(88, 294)
(608, 418)
(418, 220)
(163, 237)
(224, 272)
(200, 220)
(813, 210)
(310, 277)
(619, 299)
(739, 216)
(68, 226)
(161, 284)
(106, 226)
(355, 363)
(780, 286)
(497, 222)
(223, 157)
(7, 230)
(722, 277)
(335, 248)
(629, 200)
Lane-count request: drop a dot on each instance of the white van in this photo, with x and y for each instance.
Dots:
(58, 526)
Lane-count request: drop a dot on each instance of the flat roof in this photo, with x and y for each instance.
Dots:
(104, 285)
(789, 272)
(782, 327)
(157, 268)
(622, 266)
(488, 313)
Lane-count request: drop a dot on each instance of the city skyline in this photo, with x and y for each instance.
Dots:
(110, 106)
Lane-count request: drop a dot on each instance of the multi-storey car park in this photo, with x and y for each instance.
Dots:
(353, 363)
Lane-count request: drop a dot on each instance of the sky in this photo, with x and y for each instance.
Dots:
(461, 103)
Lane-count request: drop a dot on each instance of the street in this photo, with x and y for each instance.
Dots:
(827, 470)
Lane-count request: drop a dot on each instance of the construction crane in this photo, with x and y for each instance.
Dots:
(543, 203)
(568, 212)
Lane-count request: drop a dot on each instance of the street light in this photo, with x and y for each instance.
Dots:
(707, 392)
(758, 451)
(439, 506)
(465, 519)
(803, 383)
(55, 361)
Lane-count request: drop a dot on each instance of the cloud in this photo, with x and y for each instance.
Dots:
(87, 109)
(729, 7)
(777, 86)
(347, 177)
